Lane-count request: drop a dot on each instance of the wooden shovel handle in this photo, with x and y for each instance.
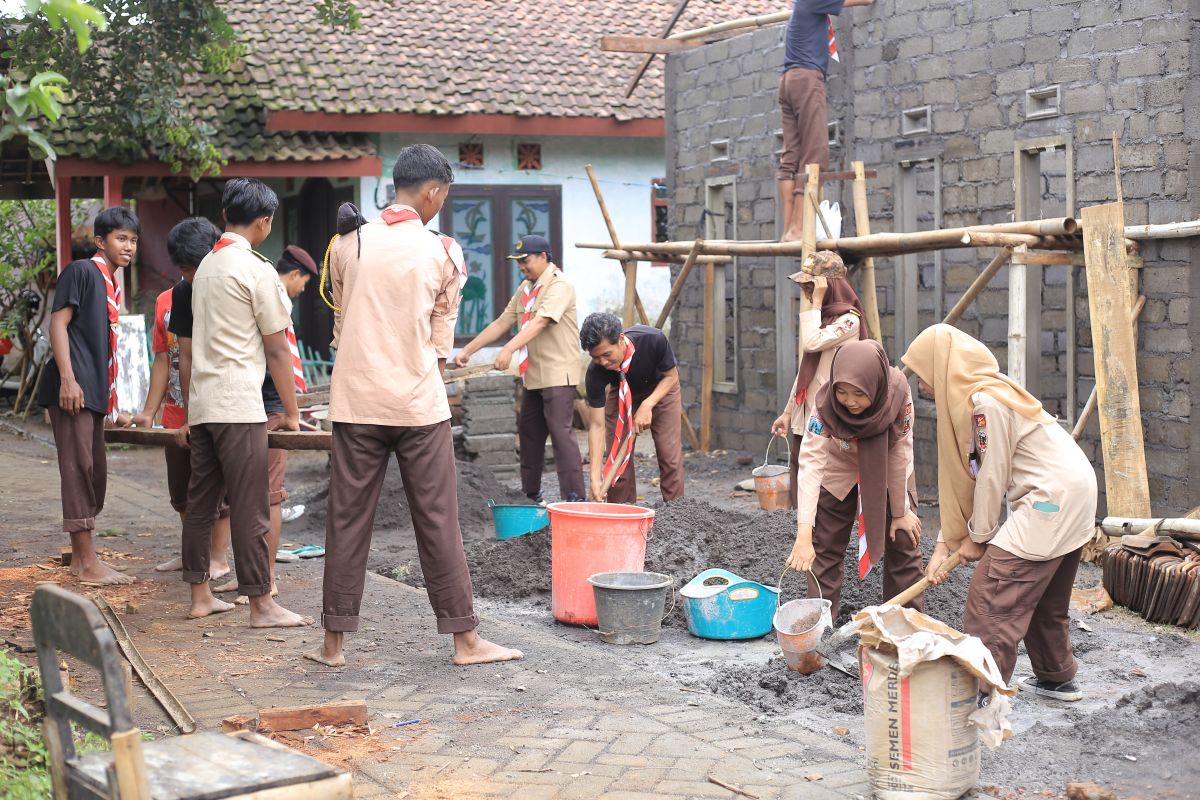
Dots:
(607, 483)
(920, 586)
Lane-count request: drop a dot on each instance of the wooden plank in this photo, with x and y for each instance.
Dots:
(706, 379)
(862, 226)
(1110, 302)
(129, 765)
(310, 399)
(1089, 407)
(1042, 258)
(645, 44)
(161, 437)
(296, 718)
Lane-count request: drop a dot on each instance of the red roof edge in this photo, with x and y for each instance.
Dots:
(501, 124)
(364, 166)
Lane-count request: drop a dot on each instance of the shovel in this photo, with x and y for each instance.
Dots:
(832, 647)
(607, 483)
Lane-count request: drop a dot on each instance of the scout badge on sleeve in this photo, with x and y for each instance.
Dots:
(814, 425)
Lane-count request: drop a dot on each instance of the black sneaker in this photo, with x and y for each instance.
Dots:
(1066, 691)
(536, 497)
(574, 498)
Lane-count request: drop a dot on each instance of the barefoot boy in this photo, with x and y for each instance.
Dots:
(187, 244)
(398, 303)
(240, 321)
(79, 387)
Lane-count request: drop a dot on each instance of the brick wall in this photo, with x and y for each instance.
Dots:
(1124, 66)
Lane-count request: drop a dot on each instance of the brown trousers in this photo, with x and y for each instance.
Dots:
(426, 458)
(805, 132)
(179, 475)
(795, 440)
(82, 466)
(550, 411)
(1012, 599)
(831, 536)
(666, 430)
(229, 460)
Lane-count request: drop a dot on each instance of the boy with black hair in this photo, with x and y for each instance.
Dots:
(79, 385)
(240, 321)
(295, 269)
(396, 305)
(187, 245)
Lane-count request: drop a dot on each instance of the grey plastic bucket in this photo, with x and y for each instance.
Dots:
(629, 605)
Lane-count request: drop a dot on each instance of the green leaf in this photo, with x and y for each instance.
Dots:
(17, 98)
(44, 78)
(39, 141)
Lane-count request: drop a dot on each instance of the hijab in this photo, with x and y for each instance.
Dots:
(864, 365)
(957, 366)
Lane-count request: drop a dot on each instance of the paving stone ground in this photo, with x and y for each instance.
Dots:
(573, 720)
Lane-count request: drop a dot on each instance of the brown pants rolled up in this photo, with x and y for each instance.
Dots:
(666, 430)
(802, 107)
(82, 466)
(831, 536)
(229, 460)
(426, 458)
(550, 411)
(1012, 598)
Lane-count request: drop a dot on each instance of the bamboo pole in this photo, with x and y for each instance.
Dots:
(1170, 230)
(973, 291)
(632, 300)
(666, 29)
(758, 21)
(1089, 407)
(990, 239)
(642, 255)
(164, 437)
(689, 430)
(684, 271)
(706, 376)
(1180, 528)
(862, 226)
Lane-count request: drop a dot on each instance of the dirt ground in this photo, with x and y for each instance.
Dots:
(1131, 732)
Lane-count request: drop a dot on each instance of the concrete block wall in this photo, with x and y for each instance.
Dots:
(1122, 66)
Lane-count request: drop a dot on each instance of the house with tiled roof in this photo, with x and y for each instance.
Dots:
(517, 94)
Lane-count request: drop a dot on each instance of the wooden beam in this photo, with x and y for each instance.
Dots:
(706, 376)
(298, 718)
(1048, 259)
(1111, 304)
(163, 437)
(62, 218)
(684, 271)
(666, 29)
(862, 226)
(645, 44)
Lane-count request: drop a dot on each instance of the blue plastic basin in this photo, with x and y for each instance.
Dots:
(729, 606)
(512, 521)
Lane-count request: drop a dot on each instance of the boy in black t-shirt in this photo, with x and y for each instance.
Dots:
(640, 367)
(79, 386)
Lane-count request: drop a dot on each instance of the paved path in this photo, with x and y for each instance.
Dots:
(573, 720)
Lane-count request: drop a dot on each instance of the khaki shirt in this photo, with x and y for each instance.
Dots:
(832, 464)
(553, 353)
(823, 339)
(399, 304)
(1050, 484)
(236, 300)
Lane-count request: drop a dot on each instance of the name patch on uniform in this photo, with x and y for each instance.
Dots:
(815, 426)
(981, 439)
(980, 421)
(908, 416)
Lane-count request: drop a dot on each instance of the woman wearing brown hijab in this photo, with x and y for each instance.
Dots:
(857, 464)
(995, 441)
(836, 317)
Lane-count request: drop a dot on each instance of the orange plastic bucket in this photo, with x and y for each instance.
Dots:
(587, 538)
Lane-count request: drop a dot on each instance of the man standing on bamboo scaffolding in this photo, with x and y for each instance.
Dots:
(809, 45)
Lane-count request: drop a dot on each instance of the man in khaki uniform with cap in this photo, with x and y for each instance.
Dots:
(546, 350)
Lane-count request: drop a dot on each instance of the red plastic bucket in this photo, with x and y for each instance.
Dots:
(587, 538)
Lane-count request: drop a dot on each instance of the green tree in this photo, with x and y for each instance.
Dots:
(125, 64)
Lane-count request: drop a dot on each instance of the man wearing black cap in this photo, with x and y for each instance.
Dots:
(547, 356)
(295, 269)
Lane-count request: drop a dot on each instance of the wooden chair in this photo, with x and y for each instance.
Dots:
(206, 765)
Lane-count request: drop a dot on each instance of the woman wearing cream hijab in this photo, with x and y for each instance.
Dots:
(995, 441)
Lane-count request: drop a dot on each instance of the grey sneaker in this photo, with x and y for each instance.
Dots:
(1066, 691)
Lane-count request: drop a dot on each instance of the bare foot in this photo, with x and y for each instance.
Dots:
(218, 569)
(266, 613)
(320, 657)
(792, 235)
(100, 573)
(242, 600)
(174, 565)
(470, 648)
(203, 607)
(228, 586)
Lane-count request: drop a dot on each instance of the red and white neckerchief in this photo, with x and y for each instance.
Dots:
(624, 427)
(297, 362)
(393, 214)
(529, 294)
(864, 555)
(112, 288)
(833, 53)
(223, 242)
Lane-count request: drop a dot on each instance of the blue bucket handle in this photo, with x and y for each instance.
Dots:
(779, 586)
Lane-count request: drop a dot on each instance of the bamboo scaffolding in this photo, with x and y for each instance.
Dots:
(1170, 230)
(862, 226)
(642, 255)
(632, 300)
(758, 21)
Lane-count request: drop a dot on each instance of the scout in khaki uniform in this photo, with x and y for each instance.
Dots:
(396, 288)
(547, 358)
(995, 441)
(857, 465)
(836, 317)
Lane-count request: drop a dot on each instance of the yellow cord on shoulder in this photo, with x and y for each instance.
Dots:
(325, 274)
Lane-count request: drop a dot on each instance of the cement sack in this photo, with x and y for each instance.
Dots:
(921, 684)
